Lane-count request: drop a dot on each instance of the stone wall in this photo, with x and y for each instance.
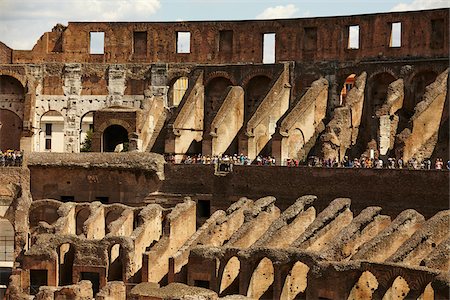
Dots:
(125, 178)
(296, 39)
(425, 191)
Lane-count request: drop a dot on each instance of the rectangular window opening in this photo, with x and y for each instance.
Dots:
(437, 34)
(396, 35)
(48, 144)
(140, 43)
(310, 38)
(183, 42)
(225, 41)
(203, 208)
(269, 48)
(353, 37)
(38, 278)
(48, 129)
(96, 43)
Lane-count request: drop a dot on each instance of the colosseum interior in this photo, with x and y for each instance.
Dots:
(115, 226)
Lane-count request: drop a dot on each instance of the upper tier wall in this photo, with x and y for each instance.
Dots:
(423, 34)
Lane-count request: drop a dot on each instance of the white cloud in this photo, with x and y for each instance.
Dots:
(421, 4)
(278, 12)
(22, 22)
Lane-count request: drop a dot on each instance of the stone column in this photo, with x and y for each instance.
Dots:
(72, 90)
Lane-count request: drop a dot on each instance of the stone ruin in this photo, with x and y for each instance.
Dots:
(320, 95)
(69, 250)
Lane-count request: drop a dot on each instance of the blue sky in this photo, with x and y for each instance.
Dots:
(22, 22)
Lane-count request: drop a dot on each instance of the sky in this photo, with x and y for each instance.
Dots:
(22, 22)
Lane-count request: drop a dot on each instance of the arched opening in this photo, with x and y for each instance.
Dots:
(230, 277)
(111, 216)
(10, 130)
(215, 93)
(87, 128)
(296, 143)
(364, 287)
(262, 279)
(414, 92)
(43, 213)
(115, 139)
(428, 293)
(51, 135)
(295, 282)
(12, 98)
(115, 267)
(177, 90)
(377, 91)
(66, 256)
(398, 290)
(255, 91)
(348, 85)
(82, 216)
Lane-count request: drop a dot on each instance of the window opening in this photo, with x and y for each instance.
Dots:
(225, 41)
(269, 48)
(353, 37)
(48, 144)
(48, 129)
(97, 43)
(396, 35)
(140, 43)
(183, 42)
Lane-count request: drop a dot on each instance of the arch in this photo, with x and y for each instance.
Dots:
(428, 293)
(216, 74)
(115, 262)
(6, 242)
(177, 88)
(215, 93)
(398, 290)
(364, 287)
(111, 216)
(295, 282)
(21, 79)
(112, 137)
(255, 91)
(86, 127)
(415, 90)
(81, 217)
(10, 130)
(296, 142)
(110, 122)
(66, 257)
(346, 87)
(262, 280)
(378, 89)
(230, 277)
(51, 134)
(45, 212)
(376, 95)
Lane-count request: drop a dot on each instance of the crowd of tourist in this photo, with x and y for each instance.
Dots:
(11, 158)
(313, 161)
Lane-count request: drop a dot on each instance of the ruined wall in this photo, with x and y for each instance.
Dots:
(125, 178)
(5, 54)
(237, 41)
(425, 191)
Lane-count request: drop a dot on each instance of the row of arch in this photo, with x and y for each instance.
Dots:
(294, 278)
(215, 91)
